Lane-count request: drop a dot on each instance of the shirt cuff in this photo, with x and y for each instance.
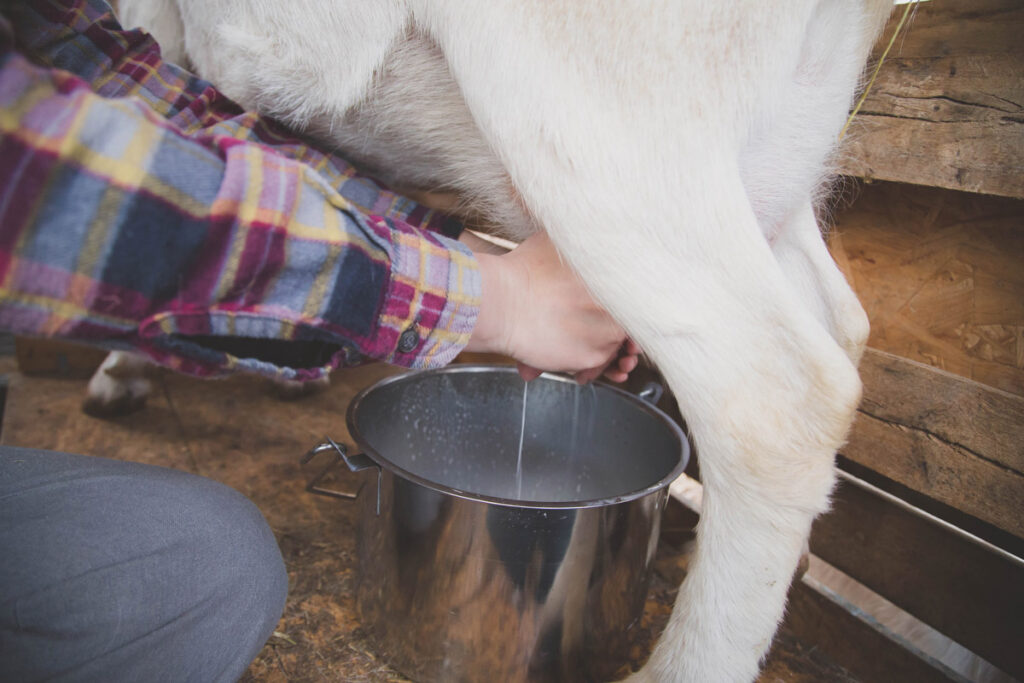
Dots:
(432, 300)
(427, 313)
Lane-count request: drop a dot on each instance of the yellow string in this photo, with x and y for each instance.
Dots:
(871, 82)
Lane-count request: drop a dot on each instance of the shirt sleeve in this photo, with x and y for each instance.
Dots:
(118, 227)
(84, 38)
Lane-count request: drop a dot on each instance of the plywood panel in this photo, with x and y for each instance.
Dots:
(947, 108)
(941, 276)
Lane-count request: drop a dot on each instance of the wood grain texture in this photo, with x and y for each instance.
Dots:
(947, 108)
(910, 560)
(940, 275)
(986, 422)
(953, 440)
(925, 434)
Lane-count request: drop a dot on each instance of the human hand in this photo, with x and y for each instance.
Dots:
(616, 370)
(536, 310)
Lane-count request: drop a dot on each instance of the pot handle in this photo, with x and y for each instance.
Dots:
(651, 392)
(356, 462)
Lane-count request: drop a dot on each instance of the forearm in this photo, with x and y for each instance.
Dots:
(86, 40)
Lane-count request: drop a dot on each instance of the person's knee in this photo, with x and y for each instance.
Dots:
(223, 561)
(122, 571)
(236, 552)
(224, 582)
(235, 571)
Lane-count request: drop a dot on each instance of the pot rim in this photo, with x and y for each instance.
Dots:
(686, 448)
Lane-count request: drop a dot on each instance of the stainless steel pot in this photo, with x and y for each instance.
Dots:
(469, 571)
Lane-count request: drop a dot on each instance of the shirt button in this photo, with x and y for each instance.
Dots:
(352, 355)
(408, 341)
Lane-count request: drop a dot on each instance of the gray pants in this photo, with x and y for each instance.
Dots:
(115, 571)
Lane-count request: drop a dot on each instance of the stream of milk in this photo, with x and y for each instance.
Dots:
(574, 437)
(519, 457)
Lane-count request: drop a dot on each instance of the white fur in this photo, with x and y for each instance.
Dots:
(162, 14)
(672, 150)
(119, 384)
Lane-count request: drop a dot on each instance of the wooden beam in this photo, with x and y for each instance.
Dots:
(956, 441)
(968, 590)
(985, 421)
(947, 108)
(40, 356)
(855, 641)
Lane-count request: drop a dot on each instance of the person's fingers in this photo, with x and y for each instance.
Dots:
(628, 363)
(588, 376)
(527, 372)
(616, 376)
(618, 371)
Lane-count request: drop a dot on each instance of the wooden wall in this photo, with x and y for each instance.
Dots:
(946, 108)
(930, 234)
(941, 273)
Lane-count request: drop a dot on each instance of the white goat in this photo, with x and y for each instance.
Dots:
(672, 150)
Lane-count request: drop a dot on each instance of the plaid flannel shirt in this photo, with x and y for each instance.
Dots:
(141, 209)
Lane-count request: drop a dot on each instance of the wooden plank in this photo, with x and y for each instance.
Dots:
(939, 274)
(56, 357)
(854, 641)
(971, 593)
(939, 470)
(947, 108)
(985, 421)
(943, 457)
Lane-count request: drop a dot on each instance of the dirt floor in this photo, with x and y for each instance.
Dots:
(237, 432)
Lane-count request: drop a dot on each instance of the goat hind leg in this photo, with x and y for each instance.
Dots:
(767, 404)
(767, 392)
(819, 284)
(817, 281)
(119, 386)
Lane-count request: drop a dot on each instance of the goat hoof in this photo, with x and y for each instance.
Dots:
(119, 387)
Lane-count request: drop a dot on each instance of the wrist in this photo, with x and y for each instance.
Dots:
(491, 332)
